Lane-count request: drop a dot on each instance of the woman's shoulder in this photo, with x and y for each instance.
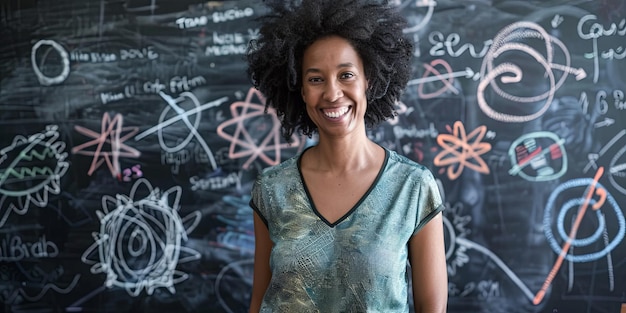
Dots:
(409, 170)
(404, 162)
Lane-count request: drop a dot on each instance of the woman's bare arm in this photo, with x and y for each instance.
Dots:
(428, 266)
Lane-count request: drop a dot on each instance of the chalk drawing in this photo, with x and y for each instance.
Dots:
(571, 240)
(538, 156)
(244, 141)
(511, 39)
(183, 115)
(30, 169)
(140, 242)
(459, 153)
(113, 134)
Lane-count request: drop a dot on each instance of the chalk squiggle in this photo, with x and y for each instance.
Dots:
(511, 73)
(140, 240)
(30, 169)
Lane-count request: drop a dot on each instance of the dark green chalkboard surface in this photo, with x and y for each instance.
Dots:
(130, 137)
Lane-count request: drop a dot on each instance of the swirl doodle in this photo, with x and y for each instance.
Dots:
(504, 44)
(140, 240)
(571, 240)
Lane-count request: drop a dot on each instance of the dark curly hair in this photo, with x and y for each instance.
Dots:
(374, 28)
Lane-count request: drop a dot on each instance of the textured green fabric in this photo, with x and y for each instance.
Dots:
(357, 264)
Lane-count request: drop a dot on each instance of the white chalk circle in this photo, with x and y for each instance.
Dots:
(65, 62)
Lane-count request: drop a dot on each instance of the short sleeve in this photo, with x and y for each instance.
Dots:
(256, 200)
(429, 203)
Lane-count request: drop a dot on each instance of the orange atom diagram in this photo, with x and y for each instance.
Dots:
(459, 153)
(242, 143)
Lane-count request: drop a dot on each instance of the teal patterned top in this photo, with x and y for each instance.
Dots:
(357, 264)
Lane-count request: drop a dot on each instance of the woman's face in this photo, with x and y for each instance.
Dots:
(333, 87)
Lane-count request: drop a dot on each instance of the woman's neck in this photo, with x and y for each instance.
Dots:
(343, 155)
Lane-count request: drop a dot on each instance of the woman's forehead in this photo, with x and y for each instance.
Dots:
(332, 51)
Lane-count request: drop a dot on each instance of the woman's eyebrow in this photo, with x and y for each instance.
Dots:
(347, 64)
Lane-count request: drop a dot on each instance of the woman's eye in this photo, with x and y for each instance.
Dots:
(347, 75)
(315, 79)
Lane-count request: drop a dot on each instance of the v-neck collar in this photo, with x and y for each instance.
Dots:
(356, 205)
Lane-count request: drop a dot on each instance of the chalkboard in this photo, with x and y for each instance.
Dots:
(130, 137)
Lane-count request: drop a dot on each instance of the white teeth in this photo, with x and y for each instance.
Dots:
(335, 114)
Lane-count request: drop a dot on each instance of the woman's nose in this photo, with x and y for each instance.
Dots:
(332, 91)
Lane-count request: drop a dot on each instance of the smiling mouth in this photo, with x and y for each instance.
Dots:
(336, 113)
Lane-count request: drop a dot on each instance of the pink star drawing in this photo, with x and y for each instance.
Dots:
(242, 143)
(111, 133)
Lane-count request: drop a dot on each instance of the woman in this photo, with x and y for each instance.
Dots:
(335, 225)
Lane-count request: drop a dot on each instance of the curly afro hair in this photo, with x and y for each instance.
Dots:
(374, 28)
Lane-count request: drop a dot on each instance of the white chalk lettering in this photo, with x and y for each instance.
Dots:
(224, 39)
(231, 15)
(414, 132)
(589, 29)
(79, 56)
(618, 53)
(190, 22)
(226, 50)
(175, 159)
(183, 83)
(102, 57)
(215, 183)
(153, 87)
(14, 249)
(442, 47)
(106, 97)
(144, 53)
(596, 30)
(619, 100)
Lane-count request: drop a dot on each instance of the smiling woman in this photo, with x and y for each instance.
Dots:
(333, 85)
(340, 221)
(372, 28)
